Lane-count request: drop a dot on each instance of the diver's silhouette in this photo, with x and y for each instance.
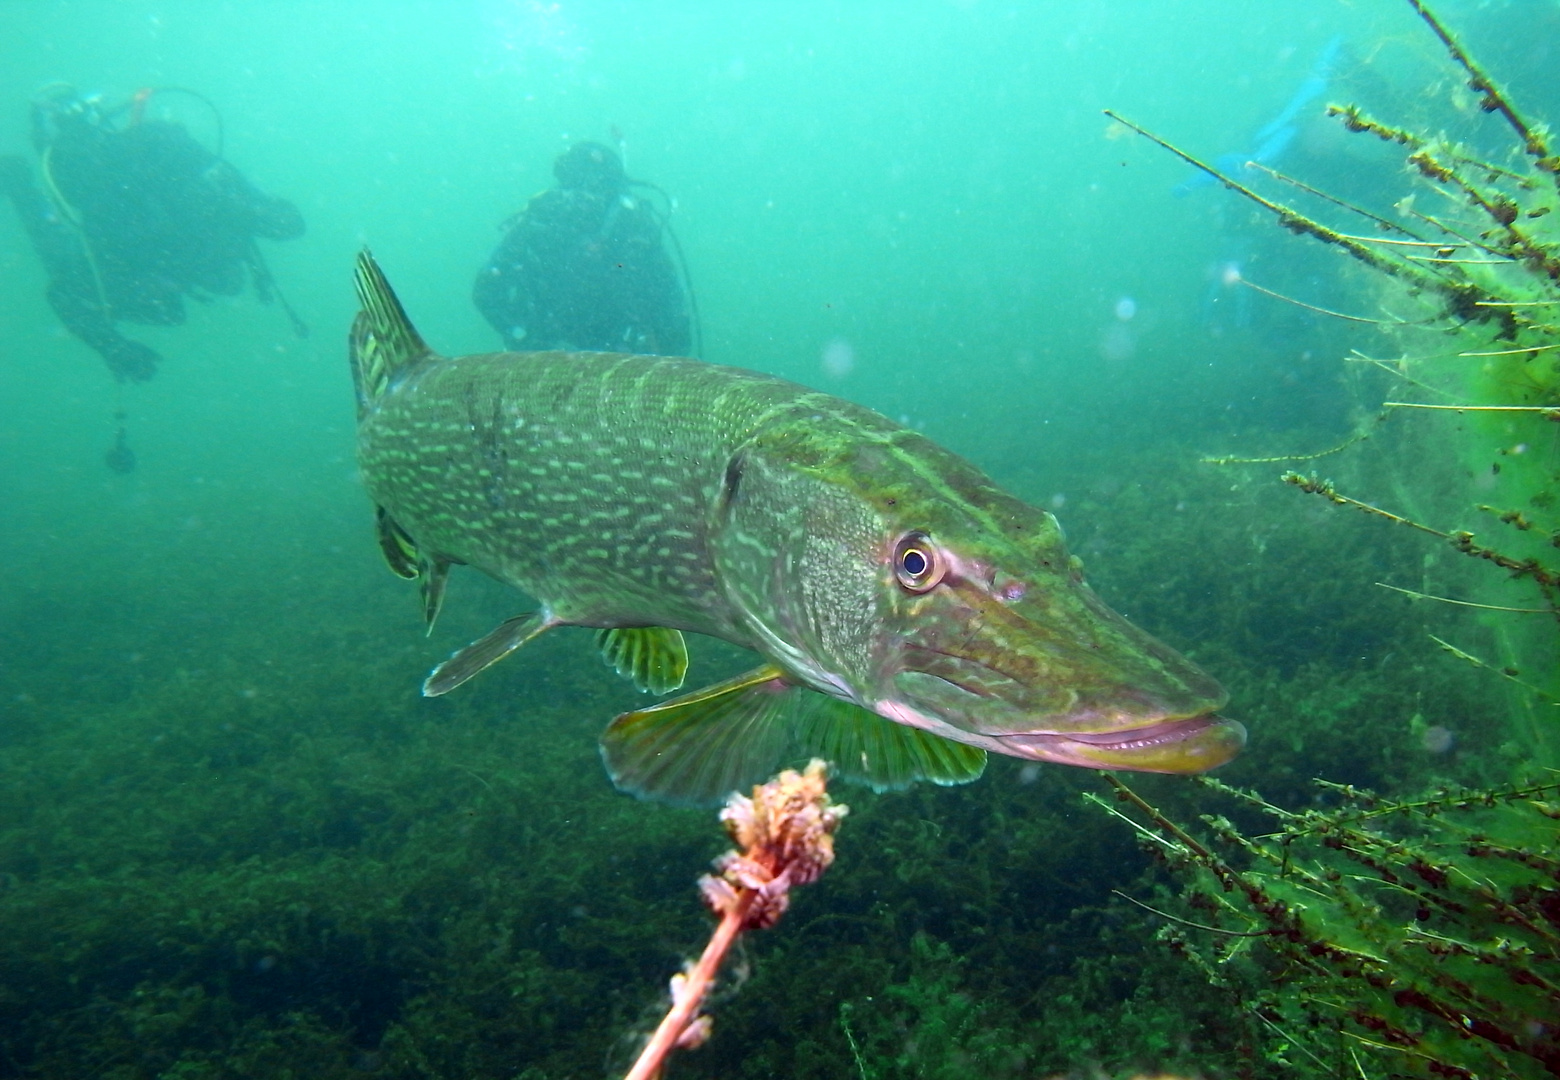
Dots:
(134, 216)
(585, 266)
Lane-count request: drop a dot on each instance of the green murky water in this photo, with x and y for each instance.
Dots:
(233, 839)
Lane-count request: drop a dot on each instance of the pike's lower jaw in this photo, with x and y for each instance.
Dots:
(1191, 745)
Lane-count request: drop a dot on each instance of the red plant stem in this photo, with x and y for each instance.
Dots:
(697, 985)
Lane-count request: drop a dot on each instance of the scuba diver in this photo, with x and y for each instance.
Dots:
(1281, 347)
(135, 214)
(584, 266)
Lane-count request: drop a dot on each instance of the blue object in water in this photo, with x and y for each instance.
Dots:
(1274, 137)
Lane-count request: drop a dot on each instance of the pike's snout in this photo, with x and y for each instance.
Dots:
(1065, 679)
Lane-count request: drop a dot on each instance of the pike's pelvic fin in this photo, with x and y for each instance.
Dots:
(399, 550)
(653, 658)
(406, 560)
(435, 576)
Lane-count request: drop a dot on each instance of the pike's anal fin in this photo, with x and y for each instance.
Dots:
(399, 549)
(700, 747)
(405, 560)
(435, 576)
(485, 652)
(653, 658)
(861, 745)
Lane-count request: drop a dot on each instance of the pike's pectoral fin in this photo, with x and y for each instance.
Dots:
(862, 745)
(653, 658)
(485, 652)
(701, 746)
(704, 745)
(399, 549)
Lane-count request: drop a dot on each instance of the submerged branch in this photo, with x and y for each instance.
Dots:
(1398, 372)
(1313, 485)
(1436, 260)
(1548, 412)
(1350, 441)
(1412, 595)
(1290, 218)
(1319, 310)
(1407, 243)
(1431, 219)
(1500, 209)
(1493, 100)
(1126, 794)
(1461, 539)
(1194, 925)
(1385, 223)
(1513, 352)
(1507, 673)
(1355, 120)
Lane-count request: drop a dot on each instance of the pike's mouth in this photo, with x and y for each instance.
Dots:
(1188, 745)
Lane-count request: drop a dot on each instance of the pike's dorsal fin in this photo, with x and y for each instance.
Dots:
(653, 658)
(704, 745)
(384, 342)
(485, 652)
(399, 550)
(862, 745)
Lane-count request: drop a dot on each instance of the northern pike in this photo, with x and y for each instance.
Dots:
(910, 615)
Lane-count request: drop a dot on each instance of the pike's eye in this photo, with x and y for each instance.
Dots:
(916, 564)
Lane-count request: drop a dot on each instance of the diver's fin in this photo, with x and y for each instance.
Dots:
(861, 745)
(654, 658)
(485, 652)
(384, 342)
(435, 575)
(399, 550)
(704, 745)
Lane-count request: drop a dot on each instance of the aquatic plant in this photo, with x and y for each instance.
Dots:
(330, 877)
(1470, 298)
(1420, 935)
(787, 835)
(1398, 937)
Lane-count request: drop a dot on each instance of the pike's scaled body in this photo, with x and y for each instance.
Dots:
(910, 615)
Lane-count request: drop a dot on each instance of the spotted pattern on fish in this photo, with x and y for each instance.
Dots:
(667, 494)
(584, 478)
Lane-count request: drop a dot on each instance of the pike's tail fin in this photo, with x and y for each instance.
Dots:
(384, 342)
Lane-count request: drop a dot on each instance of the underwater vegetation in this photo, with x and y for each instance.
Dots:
(207, 875)
(1419, 934)
(197, 886)
(1423, 936)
